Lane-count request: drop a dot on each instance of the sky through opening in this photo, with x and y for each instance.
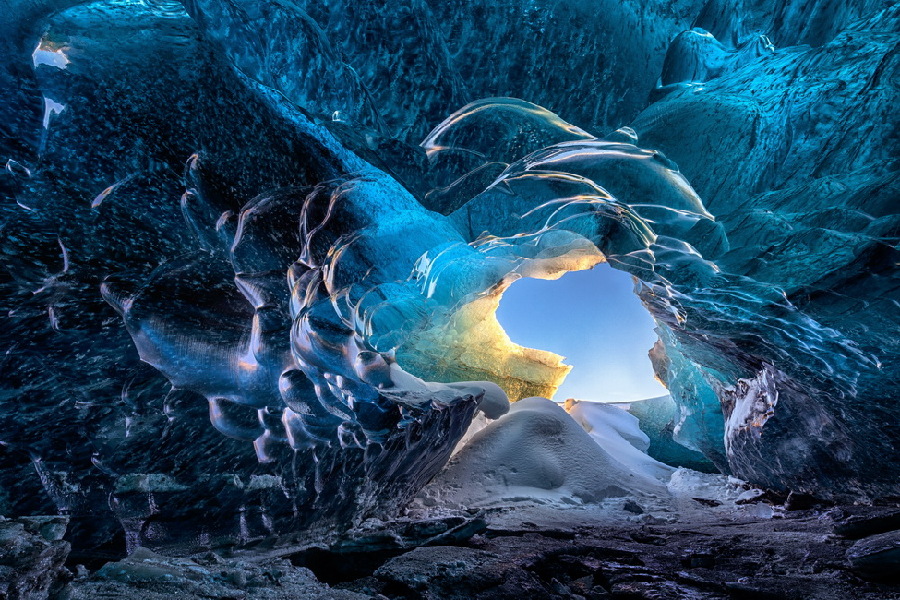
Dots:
(597, 322)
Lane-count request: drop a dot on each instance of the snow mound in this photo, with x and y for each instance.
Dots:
(538, 452)
(619, 434)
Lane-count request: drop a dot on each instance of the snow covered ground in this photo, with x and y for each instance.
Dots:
(542, 458)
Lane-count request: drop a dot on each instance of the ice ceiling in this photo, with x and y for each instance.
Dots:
(295, 220)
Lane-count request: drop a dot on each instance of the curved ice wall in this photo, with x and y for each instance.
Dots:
(242, 241)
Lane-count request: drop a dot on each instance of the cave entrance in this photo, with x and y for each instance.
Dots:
(595, 320)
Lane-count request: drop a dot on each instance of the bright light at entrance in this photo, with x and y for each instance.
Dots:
(595, 320)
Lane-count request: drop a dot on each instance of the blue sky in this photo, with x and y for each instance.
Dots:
(596, 321)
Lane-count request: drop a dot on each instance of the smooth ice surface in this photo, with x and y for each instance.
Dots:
(657, 418)
(594, 319)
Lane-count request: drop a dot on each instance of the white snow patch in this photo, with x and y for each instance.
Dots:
(53, 58)
(618, 433)
(538, 453)
(479, 422)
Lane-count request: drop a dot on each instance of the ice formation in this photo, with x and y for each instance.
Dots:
(252, 250)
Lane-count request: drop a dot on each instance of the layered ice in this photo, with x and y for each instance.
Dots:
(252, 251)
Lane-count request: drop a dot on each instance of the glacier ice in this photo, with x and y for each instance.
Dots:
(252, 250)
(657, 419)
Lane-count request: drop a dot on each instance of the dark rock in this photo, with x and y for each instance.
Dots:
(32, 557)
(797, 501)
(410, 533)
(789, 559)
(145, 575)
(694, 560)
(363, 550)
(877, 557)
(645, 537)
(768, 496)
(651, 590)
(633, 507)
(738, 589)
(857, 526)
(707, 501)
(446, 571)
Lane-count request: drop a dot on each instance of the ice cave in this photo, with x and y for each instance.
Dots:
(253, 263)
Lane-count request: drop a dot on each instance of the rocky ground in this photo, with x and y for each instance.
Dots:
(617, 550)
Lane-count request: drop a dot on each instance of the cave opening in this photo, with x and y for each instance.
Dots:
(595, 320)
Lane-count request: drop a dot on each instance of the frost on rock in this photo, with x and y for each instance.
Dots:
(252, 251)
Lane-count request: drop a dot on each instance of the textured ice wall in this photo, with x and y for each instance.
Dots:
(225, 228)
(225, 291)
(795, 154)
